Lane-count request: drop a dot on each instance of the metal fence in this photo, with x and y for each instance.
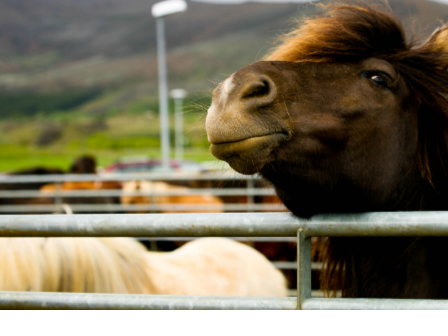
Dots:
(63, 200)
(229, 225)
(61, 197)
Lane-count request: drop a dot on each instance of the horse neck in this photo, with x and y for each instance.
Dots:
(387, 267)
(394, 267)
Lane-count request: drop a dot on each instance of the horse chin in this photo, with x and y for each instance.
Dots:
(250, 155)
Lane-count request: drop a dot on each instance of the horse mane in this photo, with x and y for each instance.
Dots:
(351, 33)
(92, 265)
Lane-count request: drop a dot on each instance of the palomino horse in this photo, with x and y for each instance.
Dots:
(202, 200)
(208, 266)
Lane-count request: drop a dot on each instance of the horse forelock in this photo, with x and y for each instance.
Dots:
(343, 33)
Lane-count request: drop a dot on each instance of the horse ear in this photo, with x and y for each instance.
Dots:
(438, 41)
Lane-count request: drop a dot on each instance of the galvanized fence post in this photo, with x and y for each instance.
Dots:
(58, 199)
(250, 195)
(152, 198)
(303, 268)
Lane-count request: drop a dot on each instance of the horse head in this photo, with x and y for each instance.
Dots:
(343, 116)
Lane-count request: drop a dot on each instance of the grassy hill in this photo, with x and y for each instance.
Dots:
(81, 75)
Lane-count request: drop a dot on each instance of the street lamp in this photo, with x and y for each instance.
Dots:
(159, 11)
(178, 95)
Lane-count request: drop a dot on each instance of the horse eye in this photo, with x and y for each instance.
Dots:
(380, 81)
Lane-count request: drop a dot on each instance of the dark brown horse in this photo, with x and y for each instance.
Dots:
(85, 164)
(346, 115)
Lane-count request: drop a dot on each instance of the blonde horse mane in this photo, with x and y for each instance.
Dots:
(94, 265)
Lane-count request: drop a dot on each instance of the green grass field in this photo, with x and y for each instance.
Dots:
(18, 157)
(56, 139)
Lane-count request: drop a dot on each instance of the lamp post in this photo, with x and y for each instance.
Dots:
(178, 95)
(159, 11)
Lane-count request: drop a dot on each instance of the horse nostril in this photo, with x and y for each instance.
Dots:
(258, 89)
(261, 90)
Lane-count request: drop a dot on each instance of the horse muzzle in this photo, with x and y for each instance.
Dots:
(242, 124)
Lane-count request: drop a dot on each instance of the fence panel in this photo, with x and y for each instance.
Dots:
(230, 225)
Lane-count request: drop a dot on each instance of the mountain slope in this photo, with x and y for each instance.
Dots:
(54, 44)
(83, 28)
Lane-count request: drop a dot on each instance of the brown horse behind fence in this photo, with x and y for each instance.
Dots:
(346, 115)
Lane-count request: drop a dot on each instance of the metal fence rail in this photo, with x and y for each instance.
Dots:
(385, 224)
(29, 300)
(118, 193)
(243, 239)
(151, 225)
(225, 175)
(230, 225)
(374, 304)
(95, 208)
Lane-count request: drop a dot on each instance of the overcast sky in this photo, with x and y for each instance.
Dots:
(278, 1)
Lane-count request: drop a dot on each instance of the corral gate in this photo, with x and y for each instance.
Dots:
(227, 225)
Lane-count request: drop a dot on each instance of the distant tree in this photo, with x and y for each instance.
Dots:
(21, 104)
